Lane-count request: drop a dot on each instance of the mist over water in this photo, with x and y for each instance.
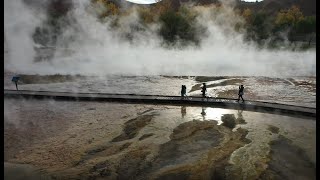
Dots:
(98, 50)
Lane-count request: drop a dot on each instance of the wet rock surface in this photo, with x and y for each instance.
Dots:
(195, 150)
(132, 127)
(273, 129)
(188, 141)
(145, 136)
(23, 171)
(23, 128)
(288, 161)
(125, 141)
(229, 120)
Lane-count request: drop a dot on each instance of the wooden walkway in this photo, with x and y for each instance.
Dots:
(257, 106)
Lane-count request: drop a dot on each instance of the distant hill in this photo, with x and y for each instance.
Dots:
(308, 7)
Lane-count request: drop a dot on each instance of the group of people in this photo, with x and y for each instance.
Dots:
(204, 90)
(15, 79)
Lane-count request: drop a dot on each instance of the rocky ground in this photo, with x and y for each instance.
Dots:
(105, 140)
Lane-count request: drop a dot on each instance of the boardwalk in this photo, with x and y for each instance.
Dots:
(257, 106)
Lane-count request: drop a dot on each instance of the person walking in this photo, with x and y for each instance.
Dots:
(15, 79)
(240, 94)
(183, 91)
(204, 90)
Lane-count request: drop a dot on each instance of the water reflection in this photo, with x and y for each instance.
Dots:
(216, 113)
(203, 113)
(183, 111)
(240, 113)
(240, 119)
(208, 113)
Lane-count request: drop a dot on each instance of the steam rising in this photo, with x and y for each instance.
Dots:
(98, 50)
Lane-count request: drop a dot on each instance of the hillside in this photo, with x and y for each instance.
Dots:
(179, 25)
(307, 7)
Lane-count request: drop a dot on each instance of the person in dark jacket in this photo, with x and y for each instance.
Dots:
(240, 94)
(183, 91)
(204, 90)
